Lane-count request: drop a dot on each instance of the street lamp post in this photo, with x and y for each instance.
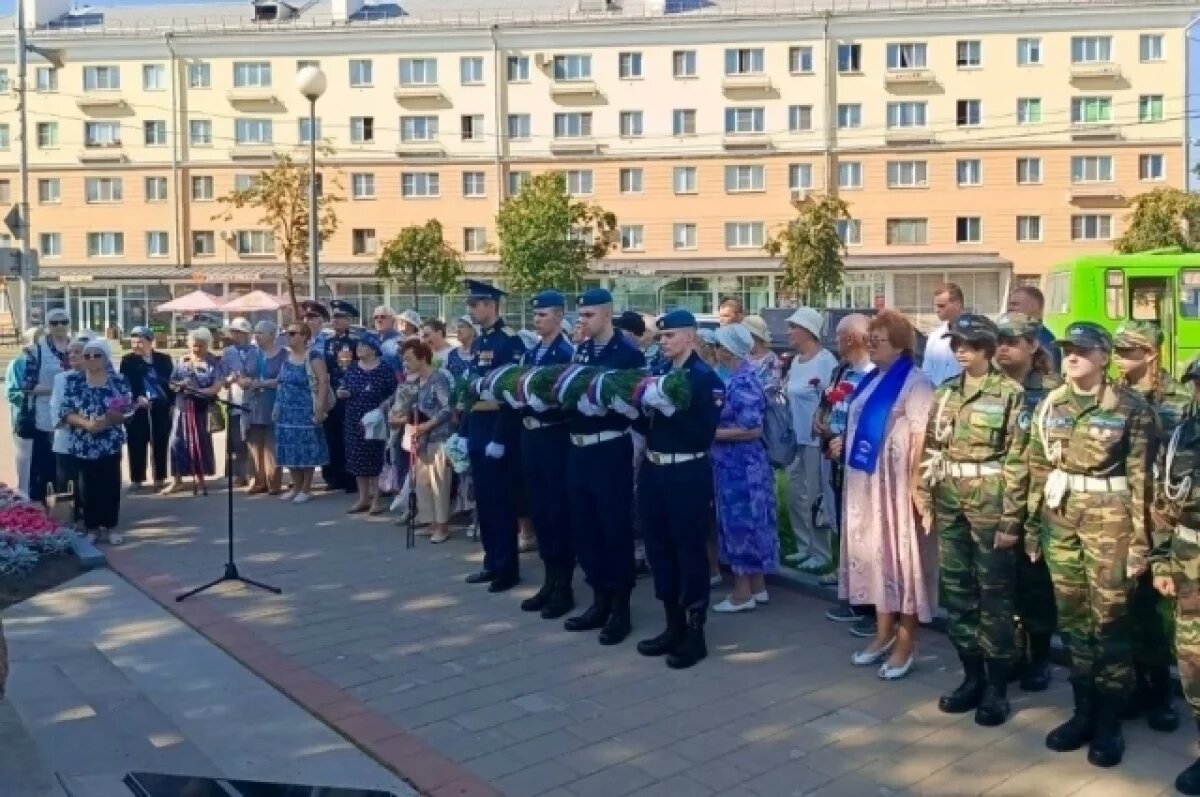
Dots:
(311, 82)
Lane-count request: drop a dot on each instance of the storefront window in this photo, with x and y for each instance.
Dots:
(636, 293)
(753, 292)
(94, 309)
(365, 296)
(43, 300)
(689, 293)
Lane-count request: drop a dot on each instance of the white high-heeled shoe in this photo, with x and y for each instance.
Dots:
(889, 673)
(866, 658)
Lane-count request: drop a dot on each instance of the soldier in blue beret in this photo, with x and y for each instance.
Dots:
(600, 481)
(675, 487)
(544, 444)
(491, 429)
(340, 341)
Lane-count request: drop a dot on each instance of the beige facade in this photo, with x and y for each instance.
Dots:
(991, 142)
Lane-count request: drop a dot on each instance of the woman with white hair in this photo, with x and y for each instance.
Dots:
(196, 380)
(96, 401)
(66, 466)
(261, 384)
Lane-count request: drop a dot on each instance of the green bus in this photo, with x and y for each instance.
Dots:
(1161, 286)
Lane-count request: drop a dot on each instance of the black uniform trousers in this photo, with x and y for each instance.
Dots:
(675, 502)
(334, 473)
(149, 430)
(544, 466)
(100, 486)
(497, 517)
(600, 494)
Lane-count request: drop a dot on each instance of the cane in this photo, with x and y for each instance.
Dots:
(195, 450)
(411, 540)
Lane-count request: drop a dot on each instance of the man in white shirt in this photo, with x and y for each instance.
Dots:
(940, 363)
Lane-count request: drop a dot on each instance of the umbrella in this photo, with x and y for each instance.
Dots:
(251, 302)
(194, 302)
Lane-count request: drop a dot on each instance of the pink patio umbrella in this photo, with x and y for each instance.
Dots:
(255, 301)
(194, 302)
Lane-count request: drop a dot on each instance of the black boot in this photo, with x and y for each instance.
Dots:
(1139, 696)
(691, 649)
(1077, 731)
(1160, 713)
(966, 696)
(503, 582)
(1108, 746)
(1188, 781)
(562, 599)
(482, 577)
(1037, 671)
(595, 616)
(540, 598)
(993, 706)
(619, 624)
(668, 640)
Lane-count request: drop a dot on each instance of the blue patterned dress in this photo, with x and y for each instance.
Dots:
(368, 390)
(299, 439)
(745, 485)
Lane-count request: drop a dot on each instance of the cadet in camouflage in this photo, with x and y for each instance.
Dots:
(1176, 556)
(1022, 358)
(1136, 346)
(975, 479)
(1089, 463)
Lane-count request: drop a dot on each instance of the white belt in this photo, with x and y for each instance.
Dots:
(532, 423)
(659, 458)
(582, 440)
(972, 470)
(1188, 535)
(1091, 484)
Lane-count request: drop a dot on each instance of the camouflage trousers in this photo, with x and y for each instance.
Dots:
(978, 581)
(1086, 544)
(1185, 571)
(1151, 640)
(1035, 596)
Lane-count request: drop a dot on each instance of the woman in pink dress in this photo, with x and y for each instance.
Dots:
(888, 557)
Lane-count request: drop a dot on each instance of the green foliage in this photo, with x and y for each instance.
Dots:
(1164, 217)
(419, 255)
(548, 239)
(810, 247)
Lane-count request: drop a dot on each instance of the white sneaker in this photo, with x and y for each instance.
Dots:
(727, 606)
(889, 673)
(864, 658)
(762, 597)
(288, 496)
(715, 581)
(302, 498)
(115, 539)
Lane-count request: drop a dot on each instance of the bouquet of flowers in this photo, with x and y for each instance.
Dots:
(455, 449)
(406, 397)
(120, 404)
(836, 394)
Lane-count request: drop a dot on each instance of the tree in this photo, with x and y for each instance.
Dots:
(811, 247)
(1164, 217)
(548, 239)
(280, 195)
(419, 255)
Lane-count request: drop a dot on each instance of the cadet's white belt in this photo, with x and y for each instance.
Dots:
(972, 470)
(1188, 535)
(592, 439)
(659, 458)
(1091, 484)
(532, 423)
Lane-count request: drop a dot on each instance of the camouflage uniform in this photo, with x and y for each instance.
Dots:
(1089, 463)
(976, 481)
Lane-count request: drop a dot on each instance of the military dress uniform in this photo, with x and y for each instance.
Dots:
(976, 481)
(1087, 517)
(675, 486)
(491, 429)
(334, 473)
(600, 492)
(544, 445)
(1151, 641)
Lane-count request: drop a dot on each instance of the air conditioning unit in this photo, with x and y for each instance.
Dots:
(541, 59)
(226, 235)
(799, 194)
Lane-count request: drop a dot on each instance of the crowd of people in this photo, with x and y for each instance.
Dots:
(999, 474)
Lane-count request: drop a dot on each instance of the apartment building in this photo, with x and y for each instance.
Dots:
(979, 143)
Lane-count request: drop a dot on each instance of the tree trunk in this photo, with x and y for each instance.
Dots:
(290, 274)
(412, 289)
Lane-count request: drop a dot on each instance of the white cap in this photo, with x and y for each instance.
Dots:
(58, 314)
(411, 317)
(201, 334)
(807, 318)
(240, 325)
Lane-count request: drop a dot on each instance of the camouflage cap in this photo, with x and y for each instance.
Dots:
(1137, 335)
(1192, 371)
(1087, 335)
(1017, 325)
(973, 328)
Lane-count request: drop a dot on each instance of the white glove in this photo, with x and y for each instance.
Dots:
(653, 397)
(536, 404)
(588, 408)
(494, 450)
(621, 406)
(512, 400)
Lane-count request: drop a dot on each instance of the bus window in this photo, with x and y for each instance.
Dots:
(1058, 293)
(1189, 293)
(1114, 293)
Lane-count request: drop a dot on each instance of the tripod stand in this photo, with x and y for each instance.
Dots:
(231, 569)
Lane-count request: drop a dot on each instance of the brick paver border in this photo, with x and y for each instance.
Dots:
(409, 757)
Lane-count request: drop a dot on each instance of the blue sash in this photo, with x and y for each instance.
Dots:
(872, 423)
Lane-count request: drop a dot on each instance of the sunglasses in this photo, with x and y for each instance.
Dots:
(94, 355)
(383, 318)
(59, 323)
(294, 332)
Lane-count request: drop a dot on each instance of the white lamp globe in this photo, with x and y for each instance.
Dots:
(311, 82)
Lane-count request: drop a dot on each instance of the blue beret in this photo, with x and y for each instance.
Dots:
(372, 341)
(340, 307)
(482, 290)
(143, 332)
(310, 307)
(546, 300)
(677, 319)
(594, 297)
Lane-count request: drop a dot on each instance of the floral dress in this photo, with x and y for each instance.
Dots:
(368, 390)
(745, 485)
(299, 439)
(191, 443)
(80, 398)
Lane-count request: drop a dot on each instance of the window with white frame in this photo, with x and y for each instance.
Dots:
(1152, 167)
(254, 243)
(1029, 110)
(907, 174)
(154, 77)
(362, 129)
(1029, 229)
(968, 171)
(154, 132)
(253, 131)
(631, 124)
(47, 135)
(1029, 51)
(204, 243)
(515, 181)
(199, 75)
(850, 174)
(849, 58)
(683, 179)
(1091, 169)
(683, 63)
(683, 122)
(850, 231)
(519, 126)
(629, 66)
(1150, 47)
(470, 70)
(50, 244)
(744, 61)
(418, 71)
(49, 191)
(304, 130)
(158, 244)
(420, 185)
(200, 132)
(907, 232)
(799, 118)
(968, 230)
(744, 121)
(849, 116)
(362, 241)
(518, 69)
(902, 115)
(800, 176)
(101, 78)
(362, 72)
(244, 182)
(1091, 49)
(202, 188)
(683, 236)
(968, 113)
(1091, 110)
(100, 190)
(968, 53)
(475, 240)
(632, 238)
(800, 60)
(744, 234)
(45, 79)
(106, 244)
(579, 182)
(1150, 108)
(630, 181)
(5, 191)
(418, 128)
(1091, 227)
(745, 178)
(906, 55)
(577, 124)
(156, 189)
(102, 134)
(472, 127)
(572, 67)
(362, 185)
(1029, 171)
(473, 184)
(251, 74)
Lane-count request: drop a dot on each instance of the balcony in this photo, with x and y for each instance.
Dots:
(251, 151)
(252, 95)
(1096, 70)
(574, 88)
(421, 148)
(112, 152)
(755, 82)
(908, 135)
(743, 141)
(111, 101)
(574, 145)
(1096, 194)
(1094, 131)
(905, 78)
(418, 92)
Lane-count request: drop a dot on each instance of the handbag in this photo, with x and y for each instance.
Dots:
(26, 415)
(374, 425)
(389, 479)
(216, 418)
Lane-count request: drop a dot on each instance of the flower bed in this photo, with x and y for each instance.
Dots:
(27, 534)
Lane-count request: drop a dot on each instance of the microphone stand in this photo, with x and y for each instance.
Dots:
(231, 569)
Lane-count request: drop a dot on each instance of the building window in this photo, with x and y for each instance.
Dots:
(418, 128)
(101, 78)
(253, 131)
(800, 176)
(199, 75)
(742, 179)
(47, 135)
(683, 179)
(573, 125)
(516, 181)
(1150, 108)
(902, 115)
(518, 126)
(969, 54)
(362, 129)
(968, 230)
(1150, 47)
(683, 122)
(474, 240)
(744, 121)
(1029, 229)
(518, 69)
(362, 241)
(472, 127)
(1029, 171)
(304, 63)
(362, 72)
(744, 61)
(849, 58)
(156, 189)
(849, 116)
(418, 71)
(99, 190)
(106, 244)
(907, 174)
(5, 191)
(244, 182)
(1091, 49)
(1152, 167)
(799, 118)
(202, 188)
(154, 132)
(631, 124)
(473, 184)
(579, 182)
(850, 174)
(1091, 227)
(683, 63)
(46, 79)
(572, 67)
(49, 191)
(200, 132)
(1029, 110)
(5, 136)
(850, 231)
(470, 70)
(50, 244)
(419, 184)
(800, 60)
(631, 181)
(632, 238)
(362, 185)
(968, 113)
(251, 74)
(1091, 169)
(744, 234)
(154, 77)
(969, 171)
(906, 55)
(683, 236)
(254, 242)
(158, 244)
(204, 243)
(1029, 51)
(1091, 110)
(629, 66)
(102, 134)
(907, 231)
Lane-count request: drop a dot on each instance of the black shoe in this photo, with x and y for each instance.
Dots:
(864, 628)
(482, 577)
(562, 598)
(1037, 677)
(993, 708)
(595, 616)
(1188, 781)
(691, 648)
(1077, 731)
(966, 696)
(1108, 746)
(843, 613)
(505, 582)
(1160, 714)
(619, 624)
(1139, 696)
(668, 640)
(540, 598)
